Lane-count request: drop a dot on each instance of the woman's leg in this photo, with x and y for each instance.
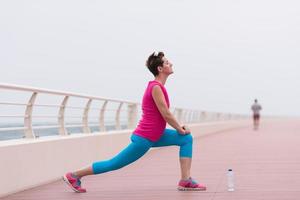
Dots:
(185, 142)
(84, 172)
(185, 166)
(131, 153)
(172, 137)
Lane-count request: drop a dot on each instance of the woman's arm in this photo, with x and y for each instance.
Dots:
(161, 104)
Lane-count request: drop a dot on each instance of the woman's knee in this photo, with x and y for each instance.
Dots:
(186, 149)
(188, 138)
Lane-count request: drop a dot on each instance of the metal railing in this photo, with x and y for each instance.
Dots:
(132, 110)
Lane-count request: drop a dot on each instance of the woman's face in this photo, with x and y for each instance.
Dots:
(167, 66)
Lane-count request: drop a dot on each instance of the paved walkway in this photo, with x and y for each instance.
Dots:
(266, 164)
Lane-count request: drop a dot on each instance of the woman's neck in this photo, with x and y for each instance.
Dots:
(161, 79)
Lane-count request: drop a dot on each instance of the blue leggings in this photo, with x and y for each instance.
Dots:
(139, 146)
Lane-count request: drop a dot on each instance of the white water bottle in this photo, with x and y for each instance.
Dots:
(230, 180)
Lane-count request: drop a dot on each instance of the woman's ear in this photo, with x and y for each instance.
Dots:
(159, 68)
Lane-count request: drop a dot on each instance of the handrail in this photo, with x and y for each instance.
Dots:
(131, 108)
(56, 92)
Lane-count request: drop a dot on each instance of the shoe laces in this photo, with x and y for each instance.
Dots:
(79, 182)
(193, 181)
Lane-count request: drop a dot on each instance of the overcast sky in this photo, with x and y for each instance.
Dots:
(225, 52)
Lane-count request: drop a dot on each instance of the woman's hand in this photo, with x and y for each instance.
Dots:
(184, 130)
(187, 129)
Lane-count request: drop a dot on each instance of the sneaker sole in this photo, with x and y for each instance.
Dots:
(190, 189)
(64, 178)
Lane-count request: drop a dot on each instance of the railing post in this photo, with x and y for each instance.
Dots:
(227, 116)
(184, 113)
(101, 118)
(203, 116)
(218, 116)
(190, 116)
(29, 133)
(132, 115)
(118, 125)
(221, 116)
(85, 119)
(215, 116)
(198, 116)
(195, 115)
(178, 115)
(61, 117)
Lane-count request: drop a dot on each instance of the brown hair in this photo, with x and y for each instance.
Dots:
(153, 61)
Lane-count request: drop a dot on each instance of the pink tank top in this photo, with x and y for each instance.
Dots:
(152, 124)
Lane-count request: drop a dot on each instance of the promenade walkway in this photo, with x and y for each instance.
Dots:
(266, 164)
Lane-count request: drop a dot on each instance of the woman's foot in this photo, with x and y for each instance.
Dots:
(190, 185)
(73, 182)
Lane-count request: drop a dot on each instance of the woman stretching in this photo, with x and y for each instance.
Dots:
(150, 132)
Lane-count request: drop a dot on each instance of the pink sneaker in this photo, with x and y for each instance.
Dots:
(190, 185)
(73, 182)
